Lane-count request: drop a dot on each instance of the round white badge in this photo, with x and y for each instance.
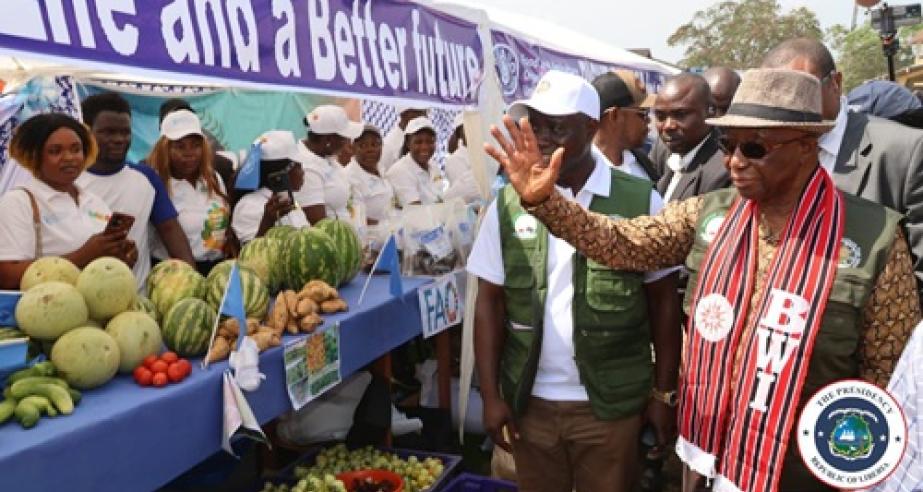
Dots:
(714, 317)
(525, 227)
(710, 227)
(850, 254)
(852, 434)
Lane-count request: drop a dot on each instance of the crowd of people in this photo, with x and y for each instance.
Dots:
(640, 277)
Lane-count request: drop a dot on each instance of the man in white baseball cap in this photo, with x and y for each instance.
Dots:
(573, 338)
(325, 192)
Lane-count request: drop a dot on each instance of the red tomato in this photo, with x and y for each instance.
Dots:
(143, 376)
(159, 366)
(159, 379)
(149, 360)
(187, 367)
(169, 357)
(175, 372)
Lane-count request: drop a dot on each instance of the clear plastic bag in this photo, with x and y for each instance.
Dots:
(426, 241)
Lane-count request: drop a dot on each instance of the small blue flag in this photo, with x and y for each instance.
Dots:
(233, 304)
(248, 177)
(390, 262)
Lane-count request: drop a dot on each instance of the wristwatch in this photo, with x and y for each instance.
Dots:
(668, 398)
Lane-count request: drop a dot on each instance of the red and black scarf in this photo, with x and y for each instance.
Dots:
(737, 430)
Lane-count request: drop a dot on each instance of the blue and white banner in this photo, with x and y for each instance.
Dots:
(380, 48)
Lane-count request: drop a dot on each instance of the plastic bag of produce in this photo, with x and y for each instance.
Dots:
(426, 242)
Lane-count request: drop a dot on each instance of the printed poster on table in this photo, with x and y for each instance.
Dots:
(312, 365)
(441, 305)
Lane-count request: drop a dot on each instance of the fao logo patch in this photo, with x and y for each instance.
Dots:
(507, 63)
(852, 434)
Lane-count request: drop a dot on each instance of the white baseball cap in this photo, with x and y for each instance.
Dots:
(179, 124)
(277, 145)
(417, 124)
(329, 119)
(559, 94)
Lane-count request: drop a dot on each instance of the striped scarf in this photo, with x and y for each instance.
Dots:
(736, 430)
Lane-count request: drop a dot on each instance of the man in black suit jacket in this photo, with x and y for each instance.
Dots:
(687, 151)
(870, 157)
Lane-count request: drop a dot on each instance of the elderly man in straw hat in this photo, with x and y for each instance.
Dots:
(792, 283)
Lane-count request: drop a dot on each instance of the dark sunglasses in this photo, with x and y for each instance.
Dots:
(751, 149)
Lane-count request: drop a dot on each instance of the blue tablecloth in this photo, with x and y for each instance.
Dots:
(123, 437)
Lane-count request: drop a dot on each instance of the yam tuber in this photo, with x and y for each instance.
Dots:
(319, 291)
(279, 316)
(253, 325)
(291, 302)
(306, 306)
(333, 306)
(310, 323)
(263, 339)
(292, 326)
(230, 328)
(219, 351)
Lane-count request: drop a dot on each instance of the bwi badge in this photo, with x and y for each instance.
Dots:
(851, 434)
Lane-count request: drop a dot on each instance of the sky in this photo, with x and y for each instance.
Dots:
(646, 23)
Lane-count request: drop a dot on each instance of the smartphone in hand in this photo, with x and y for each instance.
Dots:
(119, 222)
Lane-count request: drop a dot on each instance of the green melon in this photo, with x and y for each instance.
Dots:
(347, 246)
(187, 327)
(137, 336)
(174, 286)
(262, 257)
(49, 269)
(162, 269)
(256, 295)
(108, 286)
(86, 357)
(280, 232)
(50, 310)
(310, 254)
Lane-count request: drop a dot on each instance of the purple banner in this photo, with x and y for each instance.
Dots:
(521, 64)
(392, 48)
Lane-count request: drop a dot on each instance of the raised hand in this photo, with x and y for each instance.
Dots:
(523, 161)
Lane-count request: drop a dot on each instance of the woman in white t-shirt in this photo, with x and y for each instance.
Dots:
(270, 204)
(183, 159)
(52, 215)
(416, 177)
(369, 187)
(325, 192)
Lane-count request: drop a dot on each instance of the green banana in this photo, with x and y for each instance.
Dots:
(6, 409)
(57, 393)
(42, 404)
(27, 414)
(41, 369)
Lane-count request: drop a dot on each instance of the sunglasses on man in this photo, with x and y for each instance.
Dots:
(751, 149)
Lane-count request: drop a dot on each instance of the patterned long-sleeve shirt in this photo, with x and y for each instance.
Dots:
(654, 242)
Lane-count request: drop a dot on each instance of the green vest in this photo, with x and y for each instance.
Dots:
(867, 241)
(611, 334)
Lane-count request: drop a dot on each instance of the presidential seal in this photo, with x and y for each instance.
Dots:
(714, 317)
(851, 434)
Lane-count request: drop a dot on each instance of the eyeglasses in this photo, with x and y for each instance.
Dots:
(751, 149)
(642, 113)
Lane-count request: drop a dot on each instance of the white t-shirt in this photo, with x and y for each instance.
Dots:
(461, 179)
(629, 164)
(325, 183)
(66, 225)
(129, 191)
(374, 191)
(414, 184)
(557, 378)
(249, 212)
(391, 149)
(204, 217)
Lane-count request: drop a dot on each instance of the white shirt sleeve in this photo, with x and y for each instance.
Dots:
(650, 277)
(247, 216)
(312, 191)
(17, 235)
(486, 258)
(404, 184)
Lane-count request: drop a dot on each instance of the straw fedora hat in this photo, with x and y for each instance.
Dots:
(776, 98)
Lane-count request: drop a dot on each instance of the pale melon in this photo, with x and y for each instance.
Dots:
(49, 310)
(49, 269)
(86, 357)
(137, 335)
(108, 286)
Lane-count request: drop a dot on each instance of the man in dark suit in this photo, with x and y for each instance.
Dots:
(687, 151)
(870, 157)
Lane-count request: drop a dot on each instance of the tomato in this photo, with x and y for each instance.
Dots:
(143, 376)
(149, 360)
(159, 379)
(176, 372)
(159, 366)
(187, 367)
(169, 357)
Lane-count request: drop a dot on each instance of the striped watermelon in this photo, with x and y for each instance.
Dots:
(145, 305)
(280, 232)
(256, 295)
(163, 268)
(262, 256)
(348, 247)
(187, 328)
(309, 254)
(173, 286)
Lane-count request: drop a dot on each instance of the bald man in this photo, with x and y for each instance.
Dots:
(870, 157)
(723, 83)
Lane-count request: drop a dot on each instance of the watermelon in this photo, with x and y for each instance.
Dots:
(162, 269)
(280, 232)
(347, 246)
(187, 327)
(145, 305)
(262, 257)
(256, 295)
(309, 254)
(177, 285)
